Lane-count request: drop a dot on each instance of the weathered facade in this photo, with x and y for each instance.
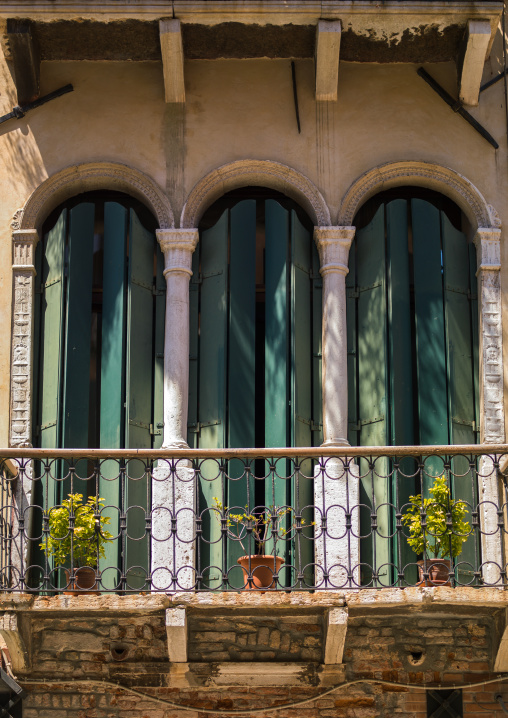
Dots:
(272, 232)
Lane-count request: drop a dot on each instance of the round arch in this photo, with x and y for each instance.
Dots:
(93, 176)
(421, 174)
(258, 173)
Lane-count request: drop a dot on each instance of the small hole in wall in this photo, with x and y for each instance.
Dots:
(416, 657)
(119, 652)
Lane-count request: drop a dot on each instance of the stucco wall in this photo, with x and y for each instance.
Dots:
(238, 109)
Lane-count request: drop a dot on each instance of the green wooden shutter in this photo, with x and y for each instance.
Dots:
(373, 387)
(50, 366)
(158, 371)
(317, 337)
(242, 358)
(78, 327)
(401, 370)
(139, 382)
(52, 333)
(430, 331)
(212, 390)
(352, 295)
(302, 418)
(277, 360)
(461, 378)
(112, 408)
(192, 417)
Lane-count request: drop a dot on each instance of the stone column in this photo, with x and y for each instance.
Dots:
(177, 246)
(24, 242)
(492, 431)
(336, 486)
(173, 488)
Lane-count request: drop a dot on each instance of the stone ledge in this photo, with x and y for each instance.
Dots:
(303, 601)
(250, 673)
(423, 597)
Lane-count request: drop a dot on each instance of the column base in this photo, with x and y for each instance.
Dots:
(332, 443)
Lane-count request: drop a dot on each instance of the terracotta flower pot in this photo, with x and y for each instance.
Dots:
(84, 581)
(438, 570)
(263, 569)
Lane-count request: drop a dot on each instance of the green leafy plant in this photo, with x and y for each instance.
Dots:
(269, 523)
(437, 525)
(88, 537)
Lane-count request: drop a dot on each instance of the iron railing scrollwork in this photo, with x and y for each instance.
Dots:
(305, 519)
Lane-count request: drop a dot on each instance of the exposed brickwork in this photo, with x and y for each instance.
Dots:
(404, 644)
(256, 638)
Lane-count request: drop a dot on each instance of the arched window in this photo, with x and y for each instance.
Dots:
(255, 351)
(412, 346)
(99, 343)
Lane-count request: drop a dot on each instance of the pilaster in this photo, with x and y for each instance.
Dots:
(23, 272)
(488, 247)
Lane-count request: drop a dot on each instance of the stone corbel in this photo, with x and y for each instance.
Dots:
(473, 59)
(172, 60)
(327, 59)
(336, 629)
(23, 272)
(176, 629)
(11, 635)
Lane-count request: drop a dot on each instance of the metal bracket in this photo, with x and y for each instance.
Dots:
(196, 426)
(356, 426)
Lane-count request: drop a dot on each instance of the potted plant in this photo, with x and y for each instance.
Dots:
(83, 545)
(264, 525)
(437, 529)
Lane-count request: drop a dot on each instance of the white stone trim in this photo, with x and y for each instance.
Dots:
(421, 174)
(23, 272)
(258, 173)
(86, 178)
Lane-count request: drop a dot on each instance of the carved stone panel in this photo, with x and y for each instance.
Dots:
(24, 243)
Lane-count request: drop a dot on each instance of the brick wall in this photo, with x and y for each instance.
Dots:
(444, 646)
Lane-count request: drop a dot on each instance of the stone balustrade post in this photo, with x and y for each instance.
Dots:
(173, 557)
(336, 484)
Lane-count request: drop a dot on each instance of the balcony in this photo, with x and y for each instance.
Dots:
(171, 522)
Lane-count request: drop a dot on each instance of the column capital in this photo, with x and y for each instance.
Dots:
(177, 246)
(24, 242)
(333, 244)
(488, 248)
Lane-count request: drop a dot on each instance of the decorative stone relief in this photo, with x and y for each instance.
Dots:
(262, 173)
(488, 245)
(425, 174)
(24, 242)
(93, 176)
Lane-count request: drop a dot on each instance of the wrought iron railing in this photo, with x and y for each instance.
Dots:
(252, 519)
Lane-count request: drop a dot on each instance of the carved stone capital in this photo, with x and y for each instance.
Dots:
(488, 248)
(333, 244)
(24, 242)
(177, 246)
